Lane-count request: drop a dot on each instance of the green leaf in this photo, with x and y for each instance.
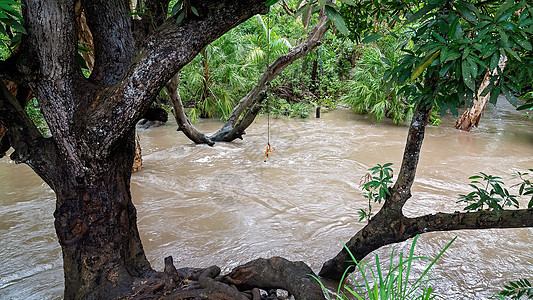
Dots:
(466, 10)
(525, 106)
(372, 38)
(503, 9)
(194, 11)
(271, 2)
(176, 8)
(523, 43)
(337, 19)
(438, 37)
(509, 95)
(452, 56)
(473, 67)
(444, 70)
(503, 35)
(513, 53)
(421, 13)
(15, 25)
(494, 61)
(11, 2)
(455, 29)
(180, 17)
(467, 75)
(420, 69)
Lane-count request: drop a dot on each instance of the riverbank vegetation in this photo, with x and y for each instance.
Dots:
(417, 60)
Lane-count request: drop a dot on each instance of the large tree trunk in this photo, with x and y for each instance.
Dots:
(88, 159)
(472, 115)
(97, 229)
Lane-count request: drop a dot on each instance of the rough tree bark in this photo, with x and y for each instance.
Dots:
(390, 226)
(250, 104)
(87, 161)
(472, 115)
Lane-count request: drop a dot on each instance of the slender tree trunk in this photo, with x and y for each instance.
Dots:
(383, 227)
(390, 226)
(472, 115)
(138, 159)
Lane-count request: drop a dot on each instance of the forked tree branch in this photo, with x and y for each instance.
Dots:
(167, 50)
(250, 104)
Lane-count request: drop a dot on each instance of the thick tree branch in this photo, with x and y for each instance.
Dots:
(388, 228)
(184, 124)
(56, 77)
(20, 133)
(113, 40)
(469, 220)
(167, 50)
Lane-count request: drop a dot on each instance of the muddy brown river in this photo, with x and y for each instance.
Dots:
(223, 205)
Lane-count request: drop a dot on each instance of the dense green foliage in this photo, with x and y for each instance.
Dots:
(452, 42)
(456, 42)
(223, 72)
(367, 93)
(490, 194)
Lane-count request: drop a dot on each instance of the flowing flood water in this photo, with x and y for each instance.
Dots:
(223, 205)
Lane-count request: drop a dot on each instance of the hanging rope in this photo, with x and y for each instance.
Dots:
(269, 149)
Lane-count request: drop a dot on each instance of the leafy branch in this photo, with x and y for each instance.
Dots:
(517, 289)
(489, 192)
(375, 187)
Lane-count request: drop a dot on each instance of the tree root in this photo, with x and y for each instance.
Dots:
(248, 282)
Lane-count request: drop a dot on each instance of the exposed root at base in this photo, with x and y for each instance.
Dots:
(257, 280)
